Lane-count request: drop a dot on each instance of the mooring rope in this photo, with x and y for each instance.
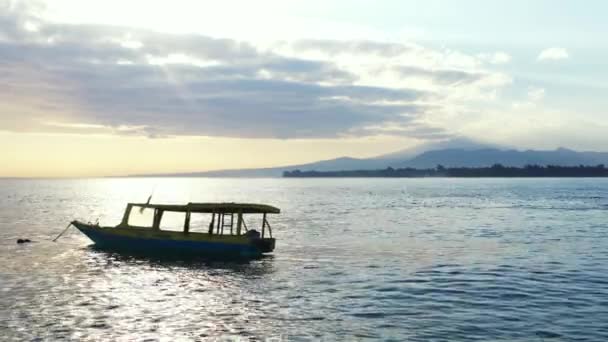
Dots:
(65, 230)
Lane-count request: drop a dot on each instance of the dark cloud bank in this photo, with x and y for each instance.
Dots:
(241, 91)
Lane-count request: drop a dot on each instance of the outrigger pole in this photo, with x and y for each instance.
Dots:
(65, 230)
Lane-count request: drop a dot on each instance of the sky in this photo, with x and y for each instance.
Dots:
(102, 88)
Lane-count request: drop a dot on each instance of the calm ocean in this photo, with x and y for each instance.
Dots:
(356, 259)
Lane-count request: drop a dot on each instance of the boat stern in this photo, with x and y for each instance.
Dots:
(264, 245)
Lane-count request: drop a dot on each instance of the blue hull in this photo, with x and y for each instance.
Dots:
(155, 246)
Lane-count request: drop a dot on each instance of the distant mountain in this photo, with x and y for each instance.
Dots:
(343, 163)
(462, 143)
(459, 152)
(490, 156)
(338, 164)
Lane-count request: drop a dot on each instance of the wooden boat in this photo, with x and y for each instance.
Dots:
(222, 236)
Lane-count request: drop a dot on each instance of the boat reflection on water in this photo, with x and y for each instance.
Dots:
(119, 295)
(249, 266)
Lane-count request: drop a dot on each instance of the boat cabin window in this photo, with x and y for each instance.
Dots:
(199, 222)
(141, 217)
(173, 221)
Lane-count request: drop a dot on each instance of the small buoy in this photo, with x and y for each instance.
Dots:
(23, 240)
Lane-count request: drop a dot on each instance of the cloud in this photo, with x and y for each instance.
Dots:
(553, 54)
(412, 130)
(536, 94)
(500, 58)
(118, 80)
(495, 58)
(441, 76)
(533, 97)
(334, 47)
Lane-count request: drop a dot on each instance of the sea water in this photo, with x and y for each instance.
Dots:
(356, 259)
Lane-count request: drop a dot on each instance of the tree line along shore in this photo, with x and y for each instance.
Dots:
(496, 170)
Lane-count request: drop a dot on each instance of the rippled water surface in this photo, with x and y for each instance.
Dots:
(356, 259)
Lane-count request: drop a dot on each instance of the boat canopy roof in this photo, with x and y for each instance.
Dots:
(245, 208)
